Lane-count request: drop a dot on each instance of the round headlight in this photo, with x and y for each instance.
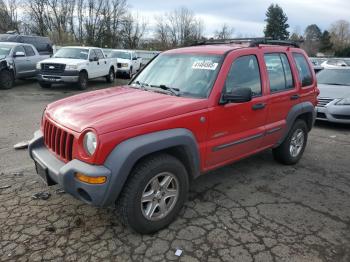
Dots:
(90, 143)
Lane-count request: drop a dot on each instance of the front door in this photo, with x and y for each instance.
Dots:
(237, 129)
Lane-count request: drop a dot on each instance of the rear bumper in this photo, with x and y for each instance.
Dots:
(63, 174)
(65, 77)
(334, 113)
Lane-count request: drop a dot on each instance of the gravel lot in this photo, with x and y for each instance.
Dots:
(254, 210)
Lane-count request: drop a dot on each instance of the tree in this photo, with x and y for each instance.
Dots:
(325, 43)
(8, 16)
(312, 39)
(340, 34)
(225, 32)
(276, 26)
(178, 28)
(133, 28)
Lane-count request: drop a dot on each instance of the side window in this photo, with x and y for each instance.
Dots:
(18, 49)
(29, 50)
(280, 74)
(304, 71)
(244, 72)
(99, 54)
(92, 54)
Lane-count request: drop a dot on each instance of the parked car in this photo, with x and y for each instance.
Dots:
(335, 63)
(334, 99)
(316, 63)
(17, 61)
(41, 43)
(75, 64)
(189, 111)
(128, 63)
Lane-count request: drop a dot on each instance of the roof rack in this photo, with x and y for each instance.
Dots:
(253, 42)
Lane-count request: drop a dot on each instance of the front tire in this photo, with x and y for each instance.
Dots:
(154, 194)
(83, 80)
(111, 76)
(6, 79)
(130, 73)
(292, 148)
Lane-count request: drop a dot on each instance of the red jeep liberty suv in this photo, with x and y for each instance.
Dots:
(189, 111)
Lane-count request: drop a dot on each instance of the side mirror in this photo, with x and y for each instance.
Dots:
(134, 58)
(238, 95)
(19, 54)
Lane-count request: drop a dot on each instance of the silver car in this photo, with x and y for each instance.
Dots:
(334, 99)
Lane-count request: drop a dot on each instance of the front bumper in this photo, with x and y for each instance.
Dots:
(333, 113)
(123, 70)
(62, 173)
(65, 77)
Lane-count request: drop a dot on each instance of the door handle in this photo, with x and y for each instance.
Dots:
(294, 97)
(258, 106)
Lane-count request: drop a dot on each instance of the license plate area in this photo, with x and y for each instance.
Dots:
(42, 172)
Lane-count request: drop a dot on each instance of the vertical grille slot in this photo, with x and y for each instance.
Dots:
(58, 141)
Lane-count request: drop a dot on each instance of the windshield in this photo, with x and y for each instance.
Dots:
(192, 75)
(74, 53)
(334, 77)
(120, 54)
(5, 50)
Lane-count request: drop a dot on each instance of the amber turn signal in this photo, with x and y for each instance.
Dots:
(90, 179)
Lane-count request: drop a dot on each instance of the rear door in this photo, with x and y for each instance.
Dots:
(31, 60)
(103, 66)
(283, 94)
(237, 129)
(93, 68)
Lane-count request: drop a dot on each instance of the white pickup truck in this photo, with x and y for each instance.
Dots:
(75, 64)
(128, 63)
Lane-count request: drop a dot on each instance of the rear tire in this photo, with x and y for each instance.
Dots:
(45, 85)
(292, 148)
(154, 193)
(83, 80)
(6, 79)
(111, 76)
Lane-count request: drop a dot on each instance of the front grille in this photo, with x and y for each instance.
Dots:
(119, 65)
(58, 140)
(342, 117)
(52, 69)
(322, 102)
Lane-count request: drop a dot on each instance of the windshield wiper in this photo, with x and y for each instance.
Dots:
(173, 90)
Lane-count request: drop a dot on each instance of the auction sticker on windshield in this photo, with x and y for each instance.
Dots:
(204, 65)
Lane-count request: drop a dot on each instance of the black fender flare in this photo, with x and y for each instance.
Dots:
(296, 111)
(126, 154)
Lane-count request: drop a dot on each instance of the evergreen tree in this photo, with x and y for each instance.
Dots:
(312, 41)
(326, 43)
(276, 26)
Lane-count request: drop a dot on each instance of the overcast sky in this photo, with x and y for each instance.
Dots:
(247, 16)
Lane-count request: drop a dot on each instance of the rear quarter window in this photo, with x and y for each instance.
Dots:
(304, 71)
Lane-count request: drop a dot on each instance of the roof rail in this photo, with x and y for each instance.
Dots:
(253, 42)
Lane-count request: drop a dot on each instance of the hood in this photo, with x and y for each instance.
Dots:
(122, 60)
(67, 61)
(118, 108)
(333, 91)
